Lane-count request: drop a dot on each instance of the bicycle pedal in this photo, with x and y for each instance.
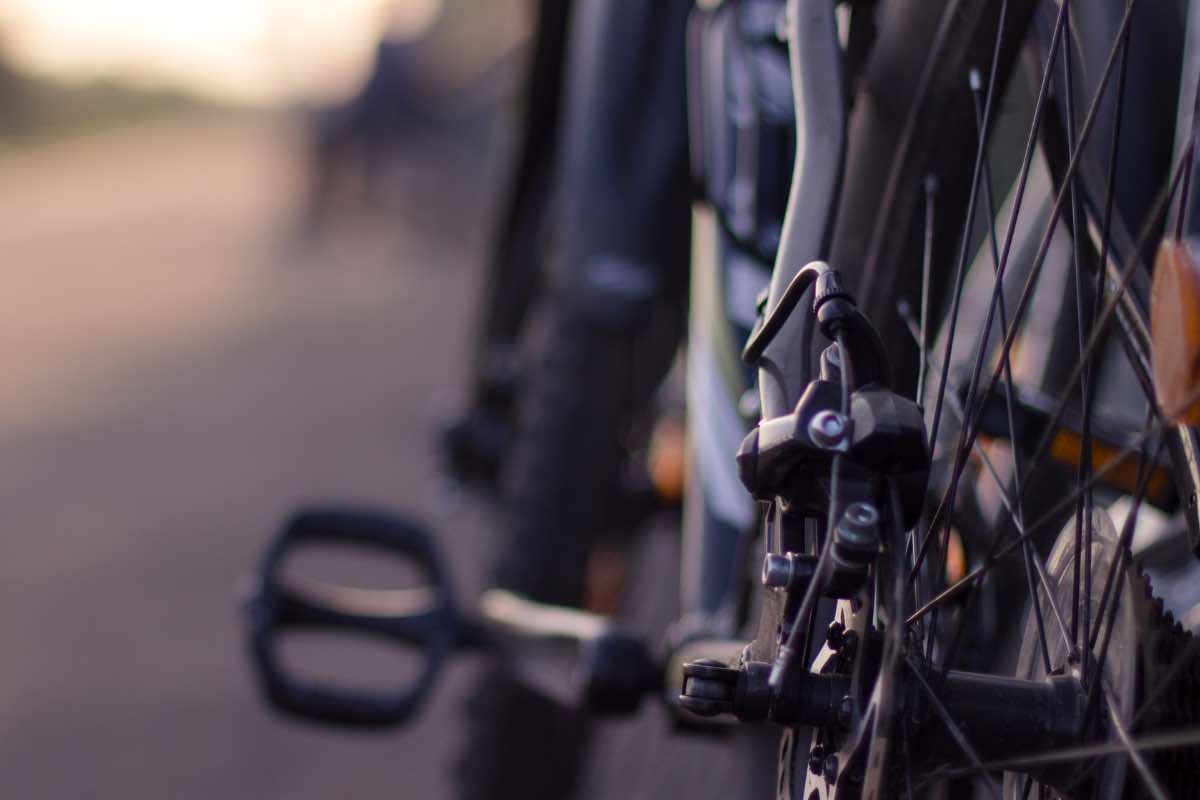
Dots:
(607, 670)
(420, 620)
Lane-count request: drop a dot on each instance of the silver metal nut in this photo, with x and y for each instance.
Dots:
(827, 429)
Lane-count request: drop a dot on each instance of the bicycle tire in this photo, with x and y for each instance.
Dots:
(592, 384)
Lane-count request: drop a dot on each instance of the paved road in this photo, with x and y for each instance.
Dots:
(177, 374)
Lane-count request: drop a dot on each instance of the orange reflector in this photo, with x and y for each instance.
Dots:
(667, 459)
(956, 557)
(1067, 446)
(1175, 331)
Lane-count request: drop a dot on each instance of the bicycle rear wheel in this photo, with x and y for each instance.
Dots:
(986, 227)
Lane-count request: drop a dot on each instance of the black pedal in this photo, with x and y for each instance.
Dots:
(606, 670)
(422, 619)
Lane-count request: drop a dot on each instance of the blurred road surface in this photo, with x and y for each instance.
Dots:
(173, 383)
(177, 373)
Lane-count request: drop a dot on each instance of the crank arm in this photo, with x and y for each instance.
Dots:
(578, 657)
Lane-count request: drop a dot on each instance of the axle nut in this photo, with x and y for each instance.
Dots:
(827, 429)
(859, 526)
(776, 571)
(708, 687)
(791, 571)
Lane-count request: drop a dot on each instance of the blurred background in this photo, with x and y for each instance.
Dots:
(215, 310)
(238, 275)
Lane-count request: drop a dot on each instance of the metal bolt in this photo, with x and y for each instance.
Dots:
(862, 513)
(827, 429)
(791, 571)
(858, 526)
(831, 769)
(777, 571)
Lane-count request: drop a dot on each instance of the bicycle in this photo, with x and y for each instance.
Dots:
(1013, 369)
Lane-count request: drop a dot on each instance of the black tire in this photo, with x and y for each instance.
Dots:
(521, 745)
(911, 107)
(621, 181)
(585, 402)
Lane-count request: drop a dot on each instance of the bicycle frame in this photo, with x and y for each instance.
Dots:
(719, 515)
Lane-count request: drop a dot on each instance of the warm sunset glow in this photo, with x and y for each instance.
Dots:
(259, 51)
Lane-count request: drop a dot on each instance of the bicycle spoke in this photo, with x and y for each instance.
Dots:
(1116, 587)
(1033, 559)
(970, 431)
(1104, 319)
(926, 268)
(1034, 562)
(952, 727)
(1098, 294)
(1157, 428)
(976, 173)
(1110, 577)
(1139, 763)
(965, 237)
(1101, 324)
(1164, 684)
(1182, 212)
(993, 558)
(1009, 403)
(1185, 196)
(1022, 181)
(1113, 149)
(1083, 542)
(1172, 740)
(989, 199)
(1060, 198)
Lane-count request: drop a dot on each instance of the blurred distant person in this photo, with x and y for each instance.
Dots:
(353, 142)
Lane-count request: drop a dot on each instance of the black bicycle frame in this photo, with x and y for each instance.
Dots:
(752, 108)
